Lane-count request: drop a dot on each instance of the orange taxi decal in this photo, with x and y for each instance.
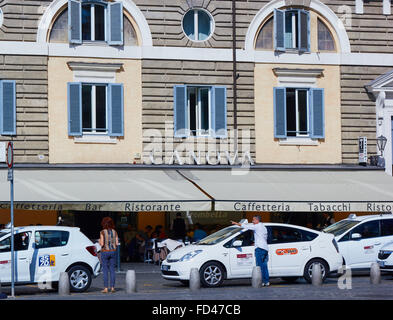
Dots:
(290, 251)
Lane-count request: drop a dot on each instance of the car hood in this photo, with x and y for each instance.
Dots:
(180, 252)
(388, 246)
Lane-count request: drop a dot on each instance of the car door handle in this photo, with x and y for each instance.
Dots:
(64, 254)
(22, 258)
(377, 244)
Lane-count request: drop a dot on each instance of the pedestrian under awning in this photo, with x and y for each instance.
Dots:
(102, 190)
(296, 190)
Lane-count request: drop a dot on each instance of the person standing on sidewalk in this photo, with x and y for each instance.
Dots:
(261, 247)
(109, 241)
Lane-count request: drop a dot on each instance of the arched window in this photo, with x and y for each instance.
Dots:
(325, 38)
(265, 36)
(59, 30)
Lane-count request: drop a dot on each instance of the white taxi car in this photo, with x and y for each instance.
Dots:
(360, 238)
(43, 252)
(230, 254)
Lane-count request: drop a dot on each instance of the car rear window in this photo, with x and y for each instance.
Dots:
(51, 238)
(387, 227)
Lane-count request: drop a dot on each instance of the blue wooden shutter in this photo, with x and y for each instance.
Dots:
(317, 113)
(279, 30)
(115, 18)
(115, 110)
(8, 107)
(180, 111)
(74, 22)
(74, 97)
(280, 112)
(219, 111)
(304, 30)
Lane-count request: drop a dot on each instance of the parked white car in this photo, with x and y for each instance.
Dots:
(230, 254)
(43, 252)
(360, 238)
(385, 257)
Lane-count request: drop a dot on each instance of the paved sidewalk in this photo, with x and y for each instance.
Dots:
(151, 286)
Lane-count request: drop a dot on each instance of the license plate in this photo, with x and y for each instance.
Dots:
(165, 267)
(381, 263)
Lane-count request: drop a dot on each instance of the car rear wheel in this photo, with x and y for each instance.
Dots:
(212, 274)
(309, 266)
(80, 278)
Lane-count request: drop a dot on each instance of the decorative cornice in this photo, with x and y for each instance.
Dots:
(296, 72)
(94, 66)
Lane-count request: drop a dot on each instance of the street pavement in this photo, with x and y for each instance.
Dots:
(151, 286)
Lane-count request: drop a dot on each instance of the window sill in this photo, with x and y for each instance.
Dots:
(92, 138)
(298, 141)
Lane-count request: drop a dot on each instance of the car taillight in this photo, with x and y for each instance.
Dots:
(335, 245)
(92, 250)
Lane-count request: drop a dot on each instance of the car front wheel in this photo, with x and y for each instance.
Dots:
(80, 278)
(212, 274)
(309, 266)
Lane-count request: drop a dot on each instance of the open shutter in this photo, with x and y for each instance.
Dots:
(74, 96)
(219, 112)
(74, 22)
(180, 111)
(280, 112)
(279, 30)
(317, 118)
(304, 30)
(8, 107)
(115, 18)
(116, 110)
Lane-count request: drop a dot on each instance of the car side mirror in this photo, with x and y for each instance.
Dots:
(237, 243)
(356, 236)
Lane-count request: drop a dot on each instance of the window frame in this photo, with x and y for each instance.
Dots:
(198, 113)
(92, 22)
(319, 22)
(196, 24)
(94, 110)
(298, 135)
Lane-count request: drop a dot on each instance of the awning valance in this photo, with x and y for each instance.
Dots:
(296, 190)
(102, 190)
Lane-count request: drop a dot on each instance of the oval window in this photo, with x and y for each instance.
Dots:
(198, 25)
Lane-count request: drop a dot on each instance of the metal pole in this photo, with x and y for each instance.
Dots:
(12, 238)
(234, 74)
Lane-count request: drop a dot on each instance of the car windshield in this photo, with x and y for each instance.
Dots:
(2, 234)
(219, 236)
(340, 227)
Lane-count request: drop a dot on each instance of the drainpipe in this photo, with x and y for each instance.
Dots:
(234, 75)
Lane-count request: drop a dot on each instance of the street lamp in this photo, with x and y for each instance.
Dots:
(381, 143)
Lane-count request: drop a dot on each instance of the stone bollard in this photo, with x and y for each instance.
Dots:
(256, 277)
(64, 284)
(316, 278)
(130, 282)
(375, 273)
(195, 279)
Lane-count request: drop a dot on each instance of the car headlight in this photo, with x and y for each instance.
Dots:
(190, 255)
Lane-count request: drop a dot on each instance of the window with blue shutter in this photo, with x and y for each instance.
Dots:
(299, 112)
(317, 113)
(95, 20)
(116, 110)
(7, 107)
(74, 95)
(180, 111)
(219, 112)
(280, 112)
(74, 22)
(291, 30)
(115, 14)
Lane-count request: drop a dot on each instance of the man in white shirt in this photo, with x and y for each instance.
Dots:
(261, 247)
